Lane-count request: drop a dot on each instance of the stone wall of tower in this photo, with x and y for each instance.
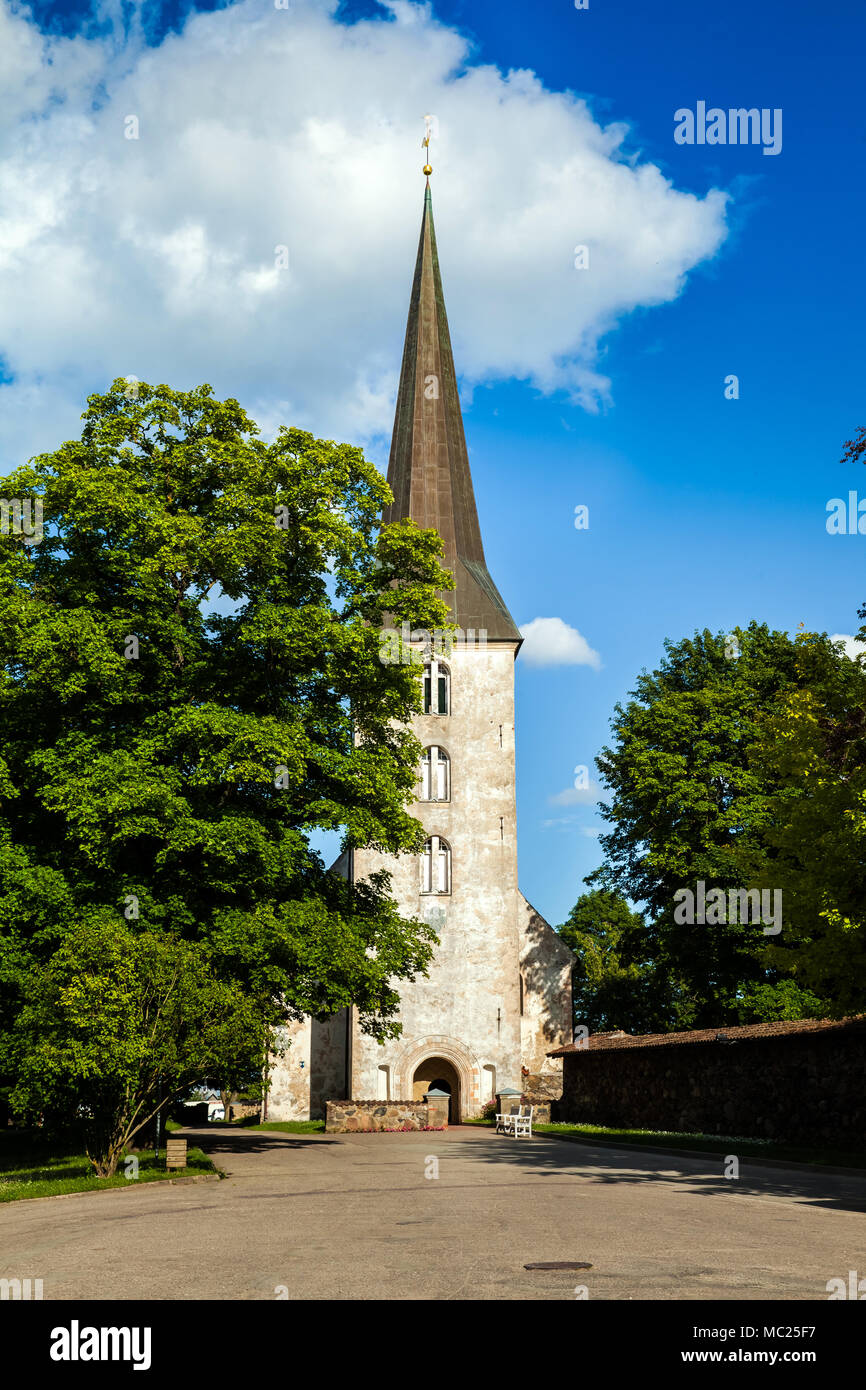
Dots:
(310, 1069)
(546, 964)
(467, 1010)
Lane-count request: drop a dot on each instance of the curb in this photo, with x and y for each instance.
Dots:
(132, 1187)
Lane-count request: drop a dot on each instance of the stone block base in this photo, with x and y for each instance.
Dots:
(370, 1116)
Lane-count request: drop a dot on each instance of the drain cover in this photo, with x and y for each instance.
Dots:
(560, 1264)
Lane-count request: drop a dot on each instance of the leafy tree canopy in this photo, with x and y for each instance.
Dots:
(693, 799)
(616, 982)
(191, 684)
(813, 751)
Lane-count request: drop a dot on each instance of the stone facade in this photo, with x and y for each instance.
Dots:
(243, 1110)
(546, 995)
(310, 1068)
(368, 1116)
(467, 1011)
(498, 992)
(542, 1091)
(543, 1086)
(804, 1087)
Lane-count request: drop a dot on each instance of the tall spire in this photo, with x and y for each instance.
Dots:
(428, 470)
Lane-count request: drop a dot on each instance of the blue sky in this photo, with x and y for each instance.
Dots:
(703, 511)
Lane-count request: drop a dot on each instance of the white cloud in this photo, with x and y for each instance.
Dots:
(551, 642)
(853, 648)
(577, 796)
(589, 832)
(262, 128)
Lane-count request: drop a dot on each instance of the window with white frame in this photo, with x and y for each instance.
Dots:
(436, 866)
(435, 775)
(437, 688)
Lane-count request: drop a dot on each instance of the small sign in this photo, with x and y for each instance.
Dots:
(175, 1153)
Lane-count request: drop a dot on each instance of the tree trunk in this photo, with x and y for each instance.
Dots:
(104, 1152)
(227, 1097)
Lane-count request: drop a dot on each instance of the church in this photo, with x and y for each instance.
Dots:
(497, 996)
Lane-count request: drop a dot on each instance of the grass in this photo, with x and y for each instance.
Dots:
(290, 1126)
(714, 1143)
(28, 1168)
(283, 1126)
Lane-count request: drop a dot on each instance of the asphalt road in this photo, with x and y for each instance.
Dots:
(452, 1215)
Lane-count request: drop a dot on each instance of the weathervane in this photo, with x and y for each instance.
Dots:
(425, 143)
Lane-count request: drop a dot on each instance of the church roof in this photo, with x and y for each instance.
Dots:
(428, 470)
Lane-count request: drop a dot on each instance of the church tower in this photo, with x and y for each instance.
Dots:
(497, 996)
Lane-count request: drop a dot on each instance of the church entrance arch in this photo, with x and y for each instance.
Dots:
(437, 1073)
(437, 1057)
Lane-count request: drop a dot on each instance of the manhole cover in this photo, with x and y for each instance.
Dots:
(560, 1264)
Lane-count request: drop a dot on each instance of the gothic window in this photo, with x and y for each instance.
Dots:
(437, 688)
(435, 775)
(436, 866)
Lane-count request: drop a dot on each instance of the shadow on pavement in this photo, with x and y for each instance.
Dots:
(550, 1158)
(245, 1141)
(543, 1156)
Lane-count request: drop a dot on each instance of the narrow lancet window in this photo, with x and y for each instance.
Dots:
(435, 775)
(437, 688)
(436, 866)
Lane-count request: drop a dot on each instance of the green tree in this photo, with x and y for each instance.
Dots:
(813, 750)
(616, 982)
(117, 1024)
(689, 804)
(165, 758)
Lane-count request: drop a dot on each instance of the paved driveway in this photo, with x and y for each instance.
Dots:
(365, 1216)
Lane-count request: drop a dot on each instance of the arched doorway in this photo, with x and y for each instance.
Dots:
(435, 1072)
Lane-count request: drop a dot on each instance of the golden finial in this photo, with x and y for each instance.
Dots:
(425, 143)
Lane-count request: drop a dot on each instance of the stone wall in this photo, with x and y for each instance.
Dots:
(540, 1109)
(543, 1091)
(543, 1086)
(367, 1116)
(311, 1064)
(466, 1009)
(804, 1088)
(546, 965)
(243, 1109)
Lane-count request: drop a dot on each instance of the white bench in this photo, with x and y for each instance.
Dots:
(505, 1122)
(517, 1122)
(523, 1123)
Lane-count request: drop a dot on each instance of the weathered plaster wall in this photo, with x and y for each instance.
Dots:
(289, 1094)
(312, 1070)
(468, 1009)
(545, 969)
